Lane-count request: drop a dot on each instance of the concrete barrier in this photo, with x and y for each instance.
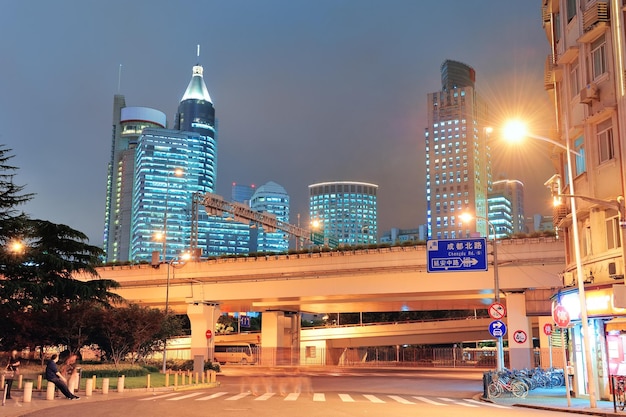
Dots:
(105, 386)
(120, 384)
(28, 391)
(50, 387)
(88, 387)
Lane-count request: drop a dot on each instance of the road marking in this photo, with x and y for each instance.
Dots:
(292, 397)
(426, 400)
(184, 397)
(486, 403)
(319, 397)
(158, 397)
(265, 396)
(346, 398)
(400, 399)
(452, 400)
(373, 398)
(210, 397)
(238, 396)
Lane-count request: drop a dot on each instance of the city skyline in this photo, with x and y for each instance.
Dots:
(304, 93)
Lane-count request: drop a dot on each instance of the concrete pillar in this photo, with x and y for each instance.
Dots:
(272, 337)
(296, 324)
(88, 387)
(28, 391)
(50, 391)
(120, 384)
(519, 332)
(105, 386)
(203, 317)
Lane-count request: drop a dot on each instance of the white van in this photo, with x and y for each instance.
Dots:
(242, 353)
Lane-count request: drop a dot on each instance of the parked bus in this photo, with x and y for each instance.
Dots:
(235, 352)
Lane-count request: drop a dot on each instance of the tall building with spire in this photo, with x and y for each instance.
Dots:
(458, 173)
(150, 204)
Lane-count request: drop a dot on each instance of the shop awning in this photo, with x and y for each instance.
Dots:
(616, 324)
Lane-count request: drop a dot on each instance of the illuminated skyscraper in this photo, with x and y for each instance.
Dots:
(128, 123)
(457, 156)
(346, 211)
(506, 208)
(271, 198)
(145, 196)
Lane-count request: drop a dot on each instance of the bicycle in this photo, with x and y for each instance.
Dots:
(502, 382)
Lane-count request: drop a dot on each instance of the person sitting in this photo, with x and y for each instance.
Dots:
(54, 375)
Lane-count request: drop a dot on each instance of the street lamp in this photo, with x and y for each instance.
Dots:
(515, 131)
(170, 264)
(466, 217)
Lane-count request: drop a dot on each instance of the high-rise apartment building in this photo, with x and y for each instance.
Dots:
(345, 211)
(128, 123)
(271, 198)
(506, 208)
(457, 155)
(145, 194)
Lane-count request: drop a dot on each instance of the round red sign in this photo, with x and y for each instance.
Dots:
(547, 329)
(208, 334)
(560, 316)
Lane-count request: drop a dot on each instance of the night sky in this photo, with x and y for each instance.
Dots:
(305, 91)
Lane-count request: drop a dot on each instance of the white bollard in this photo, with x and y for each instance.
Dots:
(50, 391)
(88, 387)
(105, 386)
(28, 391)
(120, 384)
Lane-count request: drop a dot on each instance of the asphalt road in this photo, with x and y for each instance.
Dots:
(246, 392)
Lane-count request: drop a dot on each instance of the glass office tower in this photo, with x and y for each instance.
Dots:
(458, 173)
(271, 198)
(345, 212)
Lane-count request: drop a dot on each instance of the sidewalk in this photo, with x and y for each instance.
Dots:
(555, 399)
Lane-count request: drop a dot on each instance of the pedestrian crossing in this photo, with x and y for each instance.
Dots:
(321, 397)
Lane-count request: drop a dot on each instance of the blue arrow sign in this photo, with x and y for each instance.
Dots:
(447, 255)
(497, 328)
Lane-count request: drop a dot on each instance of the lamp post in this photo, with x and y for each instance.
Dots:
(516, 131)
(496, 282)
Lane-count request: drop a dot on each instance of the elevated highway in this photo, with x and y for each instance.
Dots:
(374, 280)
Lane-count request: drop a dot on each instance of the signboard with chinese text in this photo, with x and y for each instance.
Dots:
(447, 255)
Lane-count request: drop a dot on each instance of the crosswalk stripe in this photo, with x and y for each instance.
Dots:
(184, 397)
(456, 402)
(486, 403)
(158, 397)
(265, 396)
(400, 399)
(429, 401)
(292, 396)
(373, 398)
(319, 397)
(210, 397)
(238, 396)
(346, 398)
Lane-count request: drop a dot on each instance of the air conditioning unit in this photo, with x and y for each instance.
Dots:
(589, 93)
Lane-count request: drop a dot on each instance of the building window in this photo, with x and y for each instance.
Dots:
(613, 237)
(571, 10)
(574, 81)
(606, 148)
(598, 57)
(581, 166)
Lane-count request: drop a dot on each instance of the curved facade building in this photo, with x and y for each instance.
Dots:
(455, 74)
(346, 212)
(271, 198)
(128, 123)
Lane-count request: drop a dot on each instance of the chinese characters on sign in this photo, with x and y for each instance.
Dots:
(457, 255)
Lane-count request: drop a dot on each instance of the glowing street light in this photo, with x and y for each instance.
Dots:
(515, 131)
(466, 217)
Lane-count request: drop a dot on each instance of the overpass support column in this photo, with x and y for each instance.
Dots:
(203, 317)
(280, 338)
(519, 332)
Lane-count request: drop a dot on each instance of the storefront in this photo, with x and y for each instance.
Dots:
(607, 344)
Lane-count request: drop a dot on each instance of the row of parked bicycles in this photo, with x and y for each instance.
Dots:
(520, 382)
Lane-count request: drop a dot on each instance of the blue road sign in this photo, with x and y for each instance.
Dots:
(447, 255)
(497, 328)
(244, 321)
